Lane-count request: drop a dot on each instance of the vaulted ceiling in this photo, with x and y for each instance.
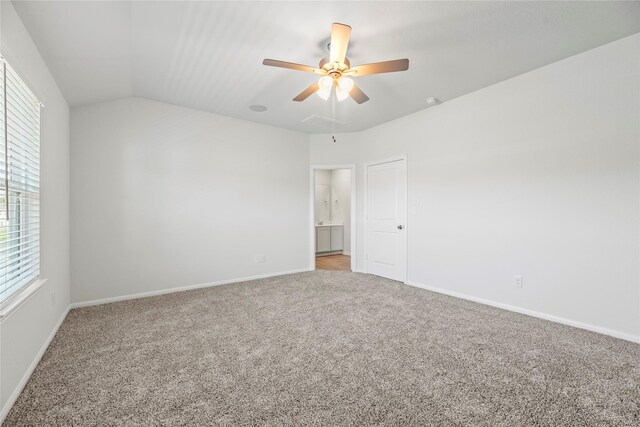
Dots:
(208, 55)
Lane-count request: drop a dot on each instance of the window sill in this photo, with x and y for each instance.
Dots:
(16, 301)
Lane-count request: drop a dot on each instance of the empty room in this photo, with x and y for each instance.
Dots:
(367, 213)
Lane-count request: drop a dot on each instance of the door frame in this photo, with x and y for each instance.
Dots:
(312, 223)
(405, 269)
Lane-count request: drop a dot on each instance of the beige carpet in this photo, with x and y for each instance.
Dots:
(325, 348)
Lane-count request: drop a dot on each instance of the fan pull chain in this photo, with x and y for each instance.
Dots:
(333, 116)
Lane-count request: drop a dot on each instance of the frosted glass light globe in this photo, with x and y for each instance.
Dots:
(325, 85)
(343, 88)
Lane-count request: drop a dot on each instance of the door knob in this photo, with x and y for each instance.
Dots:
(400, 227)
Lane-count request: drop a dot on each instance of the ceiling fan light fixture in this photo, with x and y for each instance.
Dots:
(341, 94)
(344, 86)
(325, 84)
(337, 65)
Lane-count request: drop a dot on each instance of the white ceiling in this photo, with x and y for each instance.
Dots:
(208, 55)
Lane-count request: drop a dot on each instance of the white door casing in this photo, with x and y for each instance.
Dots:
(386, 238)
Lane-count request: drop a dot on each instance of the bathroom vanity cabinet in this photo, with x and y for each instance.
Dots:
(329, 238)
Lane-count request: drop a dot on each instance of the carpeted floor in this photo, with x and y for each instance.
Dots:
(325, 348)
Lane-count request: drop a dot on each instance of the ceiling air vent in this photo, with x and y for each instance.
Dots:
(323, 122)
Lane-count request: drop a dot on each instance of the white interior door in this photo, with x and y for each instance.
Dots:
(386, 249)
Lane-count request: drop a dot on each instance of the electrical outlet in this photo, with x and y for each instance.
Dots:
(517, 281)
(260, 258)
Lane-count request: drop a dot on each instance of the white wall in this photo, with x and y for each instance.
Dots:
(26, 332)
(535, 176)
(322, 176)
(165, 197)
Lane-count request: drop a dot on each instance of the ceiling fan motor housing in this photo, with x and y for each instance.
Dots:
(333, 69)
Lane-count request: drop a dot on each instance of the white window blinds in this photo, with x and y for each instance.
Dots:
(19, 183)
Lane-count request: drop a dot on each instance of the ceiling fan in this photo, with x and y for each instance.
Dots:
(336, 70)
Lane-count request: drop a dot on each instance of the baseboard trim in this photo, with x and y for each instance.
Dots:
(32, 367)
(329, 253)
(182, 288)
(533, 313)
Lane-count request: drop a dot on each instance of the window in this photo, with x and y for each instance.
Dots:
(19, 183)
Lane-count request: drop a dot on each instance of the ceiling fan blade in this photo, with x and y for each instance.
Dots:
(379, 67)
(340, 34)
(358, 95)
(307, 92)
(291, 66)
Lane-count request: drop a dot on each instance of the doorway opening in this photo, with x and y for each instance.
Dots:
(333, 216)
